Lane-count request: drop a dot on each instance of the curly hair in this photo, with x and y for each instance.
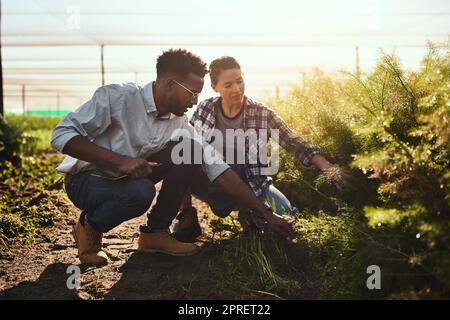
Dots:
(220, 64)
(180, 62)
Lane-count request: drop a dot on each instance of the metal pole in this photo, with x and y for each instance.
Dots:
(103, 65)
(2, 110)
(303, 80)
(57, 103)
(357, 62)
(23, 100)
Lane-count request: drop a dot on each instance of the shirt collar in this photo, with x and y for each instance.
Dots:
(217, 103)
(149, 101)
(147, 95)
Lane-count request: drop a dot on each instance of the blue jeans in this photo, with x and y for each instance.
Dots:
(222, 204)
(108, 203)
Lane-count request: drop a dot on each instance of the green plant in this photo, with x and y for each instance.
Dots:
(391, 129)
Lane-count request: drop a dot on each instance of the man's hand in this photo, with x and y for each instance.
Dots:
(136, 167)
(280, 226)
(81, 148)
(230, 182)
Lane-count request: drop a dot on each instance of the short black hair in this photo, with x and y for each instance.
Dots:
(181, 62)
(220, 64)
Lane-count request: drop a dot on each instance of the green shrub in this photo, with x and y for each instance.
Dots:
(13, 227)
(391, 129)
(12, 141)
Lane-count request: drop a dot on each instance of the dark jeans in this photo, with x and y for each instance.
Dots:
(108, 203)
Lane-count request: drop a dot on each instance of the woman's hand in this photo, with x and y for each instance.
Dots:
(338, 176)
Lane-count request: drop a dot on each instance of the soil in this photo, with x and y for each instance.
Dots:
(39, 271)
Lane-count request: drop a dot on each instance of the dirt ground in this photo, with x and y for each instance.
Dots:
(39, 271)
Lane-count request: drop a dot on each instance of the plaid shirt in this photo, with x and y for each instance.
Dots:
(256, 116)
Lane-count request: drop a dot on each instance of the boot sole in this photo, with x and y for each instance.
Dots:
(94, 264)
(74, 234)
(169, 253)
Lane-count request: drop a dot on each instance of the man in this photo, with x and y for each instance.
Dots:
(119, 146)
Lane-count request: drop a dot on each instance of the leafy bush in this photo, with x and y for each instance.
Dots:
(391, 128)
(410, 155)
(36, 132)
(12, 141)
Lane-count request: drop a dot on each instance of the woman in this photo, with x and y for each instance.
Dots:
(219, 116)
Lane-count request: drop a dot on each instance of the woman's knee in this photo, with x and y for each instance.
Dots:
(278, 202)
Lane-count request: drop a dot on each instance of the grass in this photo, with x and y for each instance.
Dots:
(29, 198)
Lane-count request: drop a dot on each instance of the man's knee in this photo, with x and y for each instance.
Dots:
(139, 195)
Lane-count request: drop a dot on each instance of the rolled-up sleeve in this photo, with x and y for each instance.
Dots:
(89, 120)
(213, 171)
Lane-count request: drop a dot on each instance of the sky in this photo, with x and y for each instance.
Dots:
(51, 48)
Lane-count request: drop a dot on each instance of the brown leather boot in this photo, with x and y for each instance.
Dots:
(162, 241)
(89, 243)
(187, 228)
